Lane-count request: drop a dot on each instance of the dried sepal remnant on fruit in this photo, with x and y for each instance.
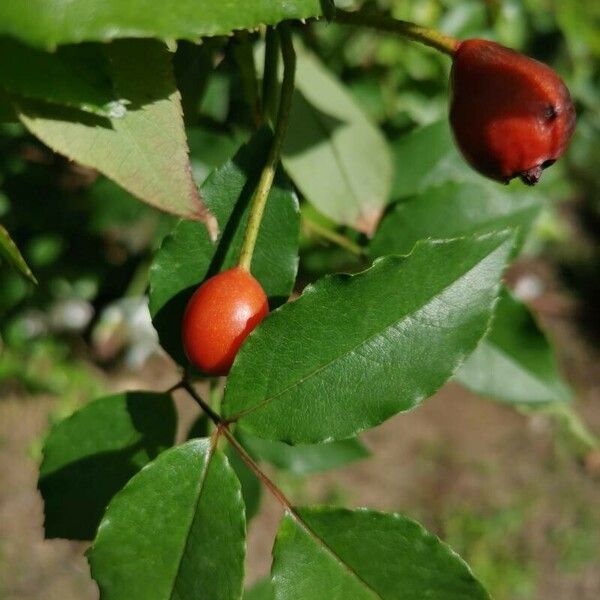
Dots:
(511, 115)
(219, 317)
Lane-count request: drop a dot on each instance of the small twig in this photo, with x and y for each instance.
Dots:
(424, 35)
(223, 428)
(249, 461)
(175, 387)
(210, 413)
(333, 236)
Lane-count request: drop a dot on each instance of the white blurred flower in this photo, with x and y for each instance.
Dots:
(70, 315)
(126, 325)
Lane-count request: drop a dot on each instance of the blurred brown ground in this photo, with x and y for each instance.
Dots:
(455, 453)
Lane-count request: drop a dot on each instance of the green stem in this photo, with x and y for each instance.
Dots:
(265, 182)
(251, 464)
(333, 236)
(222, 428)
(210, 413)
(575, 426)
(424, 35)
(270, 83)
(244, 56)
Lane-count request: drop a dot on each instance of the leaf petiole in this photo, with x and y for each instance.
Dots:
(259, 200)
(425, 35)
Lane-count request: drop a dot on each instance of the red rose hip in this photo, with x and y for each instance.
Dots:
(511, 115)
(218, 318)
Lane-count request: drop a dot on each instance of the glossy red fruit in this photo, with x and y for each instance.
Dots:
(512, 116)
(219, 317)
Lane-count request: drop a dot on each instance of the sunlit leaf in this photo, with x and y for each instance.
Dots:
(176, 531)
(336, 157)
(354, 350)
(336, 554)
(145, 151)
(514, 362)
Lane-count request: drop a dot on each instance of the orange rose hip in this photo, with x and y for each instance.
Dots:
(218, 318)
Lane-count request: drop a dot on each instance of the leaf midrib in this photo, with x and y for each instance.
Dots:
(184, 546)
(321, 542)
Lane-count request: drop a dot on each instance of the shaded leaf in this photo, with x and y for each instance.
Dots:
(336, 157)
(303, 460)
(145, 151)
(9, 250)
(210, 150)
(200, 428)
(188, 256)
(90, 456)
(515, 362)
(72, 76)
(452, 210)
(335, 554)
(426, 157)
(251, 487)
(354, 350)
(175, 531)
(48, 23)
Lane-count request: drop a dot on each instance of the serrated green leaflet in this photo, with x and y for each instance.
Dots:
(337, 554)
(452, 210)
(514, 362)
(9, 250)
(145, 151)
(188, 256)
(335, 156)
(175, 532)
(90, 456)
(354, 350)
(47, 23)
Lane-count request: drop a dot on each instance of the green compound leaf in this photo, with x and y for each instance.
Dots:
(9, 250)
(515, 362)
(91, 455)
(303, 460)
(336, 157)
(354, 350)
(145, 151)
(188, 256)
(47, 23)
(75, 76)
(337, 554)
(175, 532)
(452, 210)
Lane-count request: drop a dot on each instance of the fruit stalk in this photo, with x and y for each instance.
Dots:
(270, 90)
(261, 193)
(424, 35)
